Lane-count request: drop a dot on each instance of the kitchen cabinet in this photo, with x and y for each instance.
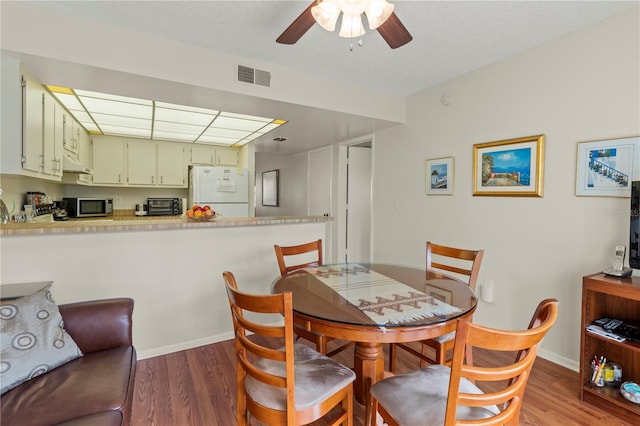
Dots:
(172, 170)
(202, 155)
(42, 132)
(109, 162)
(32, 112)
(226, 157)
(156, 164)
(71, 136)
(141, 162)
(611, 297)
(52, 136)
(208, 155)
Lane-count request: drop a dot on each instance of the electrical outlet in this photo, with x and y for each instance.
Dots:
(117, 200)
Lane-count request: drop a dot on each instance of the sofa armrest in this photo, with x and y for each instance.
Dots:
(98, 325)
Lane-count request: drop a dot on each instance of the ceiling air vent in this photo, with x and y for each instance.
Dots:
(254, 76)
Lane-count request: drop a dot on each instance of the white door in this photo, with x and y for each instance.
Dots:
(358, 230)
(320, 170)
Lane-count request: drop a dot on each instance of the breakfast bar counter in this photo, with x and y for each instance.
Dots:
(171, 266)
(142, 223)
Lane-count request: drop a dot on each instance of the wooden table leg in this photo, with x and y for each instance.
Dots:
(368, 364)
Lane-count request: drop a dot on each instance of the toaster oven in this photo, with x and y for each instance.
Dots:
(164, 206)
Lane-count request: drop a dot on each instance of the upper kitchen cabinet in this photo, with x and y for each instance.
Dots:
(204, 155)
(73, 132)
(226, 157)
(172, 168)
(209, 155)
(142, 162)
(109, 162)
(138, 162)
(33, 123)
(42, 132)
(156, 163)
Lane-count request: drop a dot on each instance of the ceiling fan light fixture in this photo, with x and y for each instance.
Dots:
(353, 7)
(378, 11)
(351, 26)
(326, 14)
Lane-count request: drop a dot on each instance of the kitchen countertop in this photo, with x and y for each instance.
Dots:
(142, 223)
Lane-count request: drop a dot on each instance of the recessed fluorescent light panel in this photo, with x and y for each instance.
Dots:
(111, 115)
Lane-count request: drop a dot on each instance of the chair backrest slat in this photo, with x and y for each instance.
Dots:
(291, 252)
(472, 258)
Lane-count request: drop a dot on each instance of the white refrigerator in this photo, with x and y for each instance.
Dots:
(224, 189)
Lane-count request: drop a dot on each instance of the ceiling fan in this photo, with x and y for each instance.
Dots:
(379, 13)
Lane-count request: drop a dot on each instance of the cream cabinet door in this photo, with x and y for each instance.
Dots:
(32, 110)
(202, 155)
(108, 162)
(71, 136)
(172, 170)
(52, 136)
(142, 163)
(226, 157)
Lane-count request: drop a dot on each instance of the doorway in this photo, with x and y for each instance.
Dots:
(355, 196)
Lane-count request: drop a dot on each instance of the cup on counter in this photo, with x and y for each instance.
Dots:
(30, 212)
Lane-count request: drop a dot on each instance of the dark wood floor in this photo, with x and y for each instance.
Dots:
(197, 388)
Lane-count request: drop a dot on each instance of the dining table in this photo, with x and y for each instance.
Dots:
(375, 303)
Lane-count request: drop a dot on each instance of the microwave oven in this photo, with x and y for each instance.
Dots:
(89, 207)
(164, 206)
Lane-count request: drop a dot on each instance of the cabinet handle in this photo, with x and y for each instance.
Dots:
(119, 178)
(161, 179)
(152, 179)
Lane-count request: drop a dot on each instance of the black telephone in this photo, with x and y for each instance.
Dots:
(618, 269)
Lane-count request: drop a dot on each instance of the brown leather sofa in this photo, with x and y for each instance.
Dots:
(93, 390)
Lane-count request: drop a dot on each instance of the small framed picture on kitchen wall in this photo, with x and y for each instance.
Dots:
(438, 176)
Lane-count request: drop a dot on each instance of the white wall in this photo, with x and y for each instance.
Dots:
(582, 87)
(292, 183)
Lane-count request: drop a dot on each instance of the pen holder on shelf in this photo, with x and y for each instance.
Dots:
(597, 376)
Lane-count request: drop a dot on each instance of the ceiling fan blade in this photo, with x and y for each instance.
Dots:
(298, 27)
(394, 32)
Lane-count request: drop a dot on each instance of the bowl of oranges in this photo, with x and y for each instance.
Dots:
(200, 213)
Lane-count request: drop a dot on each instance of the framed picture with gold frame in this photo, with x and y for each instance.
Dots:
(510, 168)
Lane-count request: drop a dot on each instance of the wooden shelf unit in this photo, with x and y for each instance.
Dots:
(612, 297)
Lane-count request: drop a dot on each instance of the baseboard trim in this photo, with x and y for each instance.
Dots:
(560, 360)
(164, 350)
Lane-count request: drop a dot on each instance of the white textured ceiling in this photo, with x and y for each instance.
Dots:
(450, 38)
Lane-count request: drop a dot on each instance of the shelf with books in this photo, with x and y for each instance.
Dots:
(605, 296)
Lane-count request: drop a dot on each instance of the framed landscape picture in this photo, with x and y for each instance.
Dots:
(438, 175)
(606, 168)
(512, 167)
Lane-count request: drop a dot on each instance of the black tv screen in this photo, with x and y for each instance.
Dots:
(634, 229)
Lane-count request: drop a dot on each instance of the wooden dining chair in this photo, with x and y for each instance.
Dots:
(292, 258)
(466, 394)
(280, 382)
(462, 262)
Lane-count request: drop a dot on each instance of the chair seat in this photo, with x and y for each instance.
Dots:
(316, 378)
(420, 397)
(445, 337)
